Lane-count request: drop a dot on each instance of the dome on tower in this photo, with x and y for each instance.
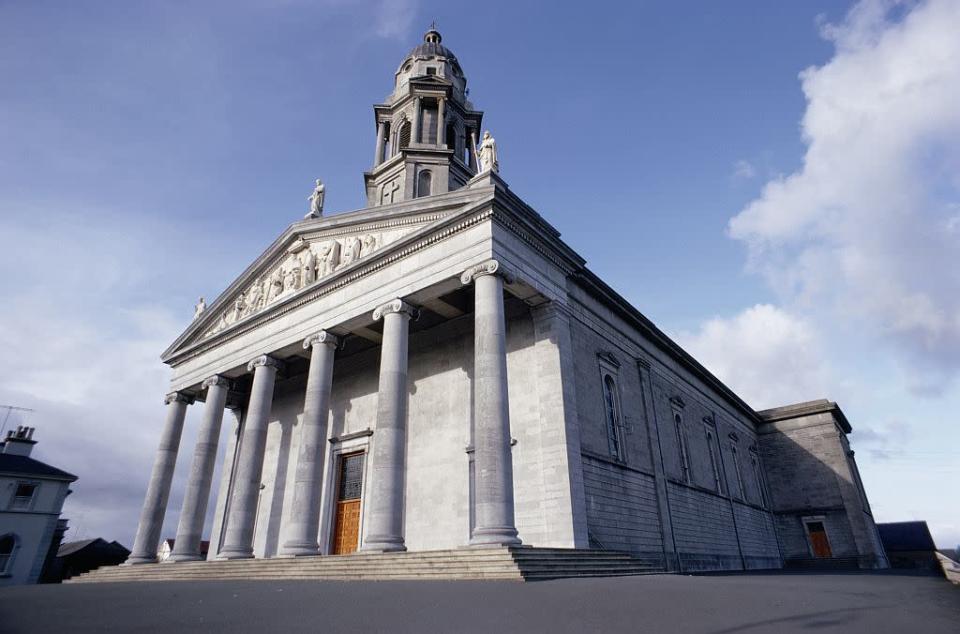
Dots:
(431, 47)
(430, 58)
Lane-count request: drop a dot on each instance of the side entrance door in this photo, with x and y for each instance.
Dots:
(346, 526)
(818, 540)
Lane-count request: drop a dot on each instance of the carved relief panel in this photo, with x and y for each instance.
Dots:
(305, 264)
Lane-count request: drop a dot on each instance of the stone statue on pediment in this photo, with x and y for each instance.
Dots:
(316, 200)
(199, 308)
(487, 154)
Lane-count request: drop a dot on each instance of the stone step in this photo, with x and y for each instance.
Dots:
(317, 572)
(466, 563)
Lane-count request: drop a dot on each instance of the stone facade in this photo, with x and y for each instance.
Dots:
(499, 392)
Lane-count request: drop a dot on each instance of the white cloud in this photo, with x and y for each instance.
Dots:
(766, 355)
(744, 170)
(865, 226)
(83, 342)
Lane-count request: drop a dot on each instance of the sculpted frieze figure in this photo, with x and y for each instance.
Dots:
(308, 267)
(199, 308)
(329, 258)
(316, 200)
(275, 285)
(351, 251)
(239, 306)
(290, 276)
(487, 154)
(255, 297)
(369, 245)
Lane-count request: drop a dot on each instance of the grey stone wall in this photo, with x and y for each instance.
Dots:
(703, 528)
(811, 472)
(622, 509)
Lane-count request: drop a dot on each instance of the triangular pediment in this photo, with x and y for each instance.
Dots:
(312, 253)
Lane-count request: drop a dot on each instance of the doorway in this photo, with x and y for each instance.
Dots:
(346, 525)
(819, 544)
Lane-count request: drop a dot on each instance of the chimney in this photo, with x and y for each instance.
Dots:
(19, 441)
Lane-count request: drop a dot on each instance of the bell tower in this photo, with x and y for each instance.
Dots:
(426, 129)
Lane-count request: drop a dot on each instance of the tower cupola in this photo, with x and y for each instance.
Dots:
(426, 130)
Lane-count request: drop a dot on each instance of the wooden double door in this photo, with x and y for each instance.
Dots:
(346, 524)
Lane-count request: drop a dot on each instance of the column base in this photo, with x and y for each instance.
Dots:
(136, 561)
(495, 536)
(235, 554)
(175, 557)
(300, 549)
(383, 545)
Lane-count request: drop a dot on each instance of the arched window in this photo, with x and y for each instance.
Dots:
(613, 417)
(424, 183)
(714, 462)
(681, 446)
(8, 544)
(403, 135)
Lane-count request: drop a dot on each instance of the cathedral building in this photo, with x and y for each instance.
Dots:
(440, 370)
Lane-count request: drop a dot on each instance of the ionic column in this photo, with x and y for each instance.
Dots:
(415, 130)
(195, 499)
(383, 514)
(158, 491)
(381, 137)
(493, 462)
(304, 520)
(238, 539)
(441, 119)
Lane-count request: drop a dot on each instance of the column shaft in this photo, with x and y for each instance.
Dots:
(415, 130)
(493, 461)
(473, 151)
(383, 514)
(304, 519)
(441, 120)
(158, 491)
(381, 134)
(238, 540)
(197, 496)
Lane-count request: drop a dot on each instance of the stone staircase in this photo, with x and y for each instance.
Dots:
(521, 564)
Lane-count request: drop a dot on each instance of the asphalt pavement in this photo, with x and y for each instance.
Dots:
(661, 604)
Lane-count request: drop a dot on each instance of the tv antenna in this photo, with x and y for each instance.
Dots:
(10, 410)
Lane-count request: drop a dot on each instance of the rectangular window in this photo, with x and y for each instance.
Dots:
(736, 469)
(23, 496)
(682, 447)
(714, 462)
(758, 476)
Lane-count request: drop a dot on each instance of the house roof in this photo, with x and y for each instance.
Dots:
(906, 536)
(73, 547)
(11, 464)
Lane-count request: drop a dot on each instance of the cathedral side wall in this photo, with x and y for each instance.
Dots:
(715, 525)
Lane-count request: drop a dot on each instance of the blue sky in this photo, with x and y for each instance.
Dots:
(775, 184)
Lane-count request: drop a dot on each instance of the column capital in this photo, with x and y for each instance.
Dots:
(490, 267)
(180, 397)
(395, 306)
(265, 360)
(322, 337)
(217, 379)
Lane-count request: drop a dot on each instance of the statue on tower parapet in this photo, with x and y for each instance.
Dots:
(199, 308)
(316, 200)
(487, 154)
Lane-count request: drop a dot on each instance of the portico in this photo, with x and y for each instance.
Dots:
(471, 299)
